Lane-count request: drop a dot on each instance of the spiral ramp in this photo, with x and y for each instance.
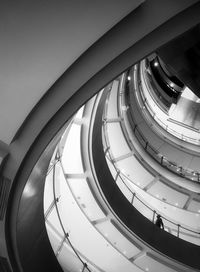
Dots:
(47, 81)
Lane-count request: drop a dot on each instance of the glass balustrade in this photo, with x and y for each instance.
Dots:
(151, 117)
(132, 196)
(62, 243)
(67, 255)
(147, 104)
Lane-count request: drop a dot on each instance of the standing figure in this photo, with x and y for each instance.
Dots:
(159, 222)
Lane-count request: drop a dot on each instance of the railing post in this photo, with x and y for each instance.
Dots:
(178, 231)
(61, 244)
(133, 198)
(154, 213)
(51, 207)
(84, 266)
(118, 173)
(107, 149)
(181, 170)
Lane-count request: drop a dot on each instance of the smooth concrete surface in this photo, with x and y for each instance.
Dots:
(33, 244)
(39, 41)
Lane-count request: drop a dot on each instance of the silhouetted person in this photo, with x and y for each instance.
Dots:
(159, 222)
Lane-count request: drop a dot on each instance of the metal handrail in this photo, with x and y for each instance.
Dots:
(159, 121)
(121, 176)
(170, 165)
(56, 200)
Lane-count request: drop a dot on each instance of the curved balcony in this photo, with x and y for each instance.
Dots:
(168, 87)
(141, 188)
(157, 144)
(135, 221)
(76, 217)
(157, 113)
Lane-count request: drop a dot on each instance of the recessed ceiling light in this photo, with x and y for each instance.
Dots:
(129, 78)
(156, 64)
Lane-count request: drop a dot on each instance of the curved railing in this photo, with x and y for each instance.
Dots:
(157, 119)
(175, 229)
(120, 179)
(54, 204)
(161, 159)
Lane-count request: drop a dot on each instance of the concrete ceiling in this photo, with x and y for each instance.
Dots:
(39, 41)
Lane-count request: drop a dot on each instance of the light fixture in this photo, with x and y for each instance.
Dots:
(29, 190)
(129, 78)
(156, 64)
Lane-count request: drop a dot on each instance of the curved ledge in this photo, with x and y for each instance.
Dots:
(34, 248)
(160, 240)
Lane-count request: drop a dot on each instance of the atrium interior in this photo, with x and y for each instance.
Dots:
(144, 169)
(103, 141)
